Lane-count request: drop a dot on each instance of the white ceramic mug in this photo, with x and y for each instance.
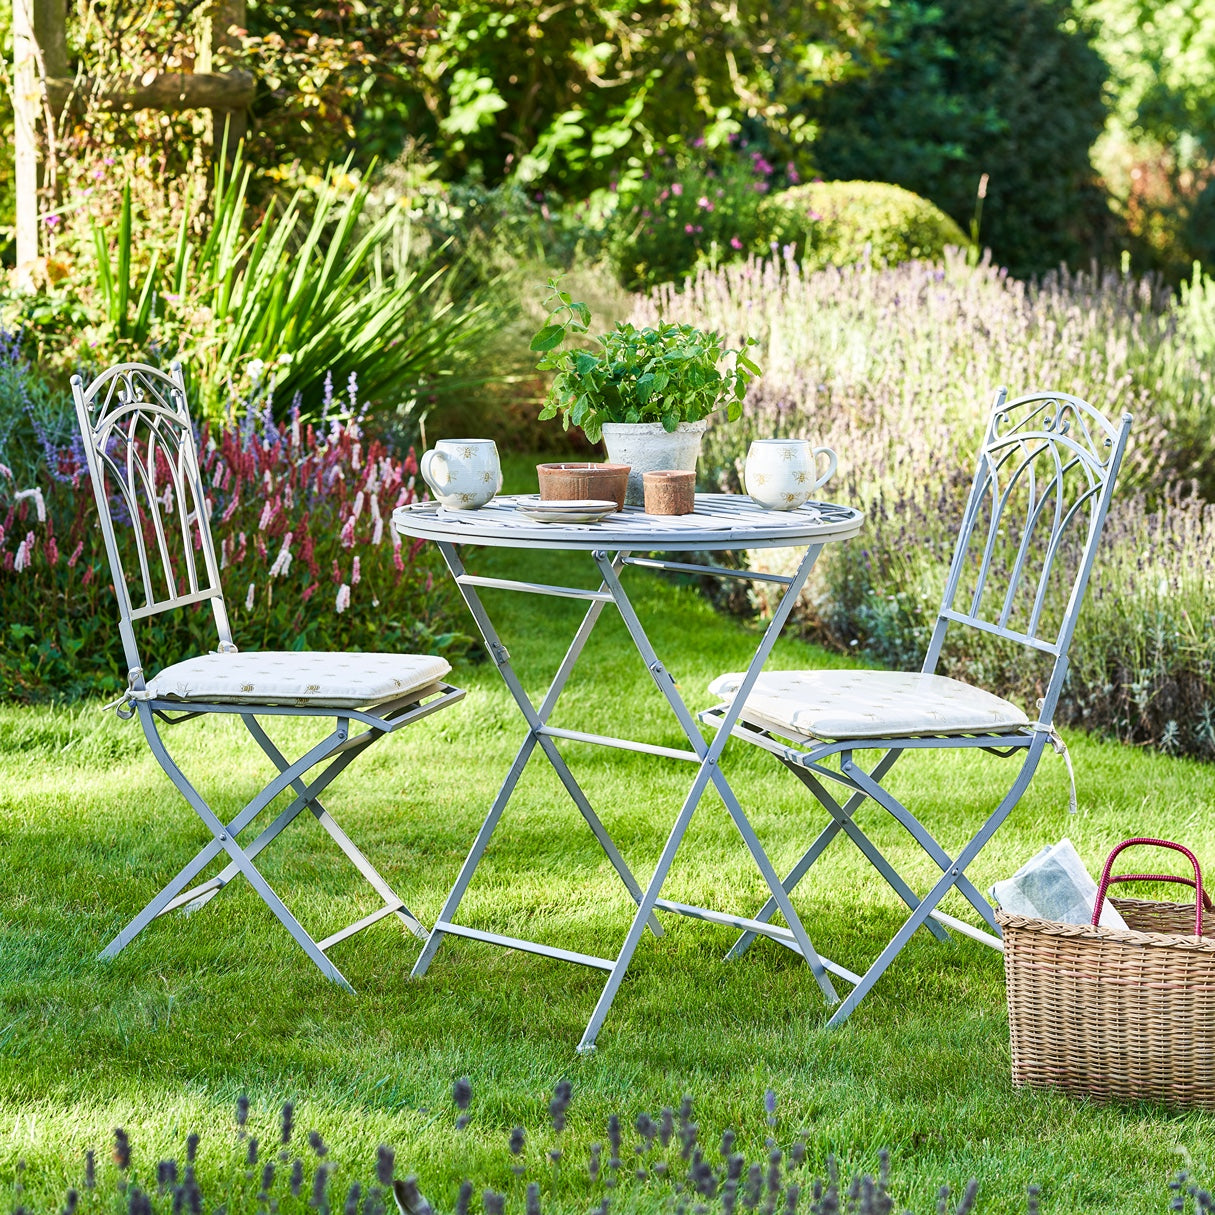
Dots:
(463, 474)
(782, 474)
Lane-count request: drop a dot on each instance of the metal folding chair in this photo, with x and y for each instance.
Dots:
(143, 461)
(1029, 533)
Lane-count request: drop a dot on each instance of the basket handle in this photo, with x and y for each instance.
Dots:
(1201, 898)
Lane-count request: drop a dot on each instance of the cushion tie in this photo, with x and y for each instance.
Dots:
(1056, 740)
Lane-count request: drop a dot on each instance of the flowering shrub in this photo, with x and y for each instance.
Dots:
(300, 520)
(895, 369)
(686, 215)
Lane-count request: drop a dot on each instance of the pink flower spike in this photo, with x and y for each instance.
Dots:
(676, 189)
(355, 573)
(343, 599)
(75, 554)
(346, 539)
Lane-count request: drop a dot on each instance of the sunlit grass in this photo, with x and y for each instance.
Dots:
(164, 1038)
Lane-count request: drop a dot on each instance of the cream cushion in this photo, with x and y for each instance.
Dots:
(298, 678)
(869, 704)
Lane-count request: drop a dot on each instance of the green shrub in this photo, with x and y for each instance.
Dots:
(1008, 88)
(277, 299)
(688, 213)
(837, 223)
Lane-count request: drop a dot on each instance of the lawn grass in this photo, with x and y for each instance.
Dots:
(199, 1009)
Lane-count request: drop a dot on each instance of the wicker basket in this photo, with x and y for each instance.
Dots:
(1114, 1015)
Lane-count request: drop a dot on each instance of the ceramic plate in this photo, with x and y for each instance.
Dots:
(573, 510)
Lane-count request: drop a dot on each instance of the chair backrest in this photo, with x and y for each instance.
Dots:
(143, 462)
(1045, 477)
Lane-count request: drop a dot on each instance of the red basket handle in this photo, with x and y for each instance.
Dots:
(1201, 898)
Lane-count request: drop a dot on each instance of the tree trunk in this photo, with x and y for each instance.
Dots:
(226, 123)
(39, 51)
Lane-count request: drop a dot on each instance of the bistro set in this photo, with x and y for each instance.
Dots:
(1042, 486)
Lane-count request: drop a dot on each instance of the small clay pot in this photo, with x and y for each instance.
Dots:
(580, 481)
(669, 492)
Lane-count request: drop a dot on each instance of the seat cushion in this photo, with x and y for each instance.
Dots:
(832, 705)
(299, 678)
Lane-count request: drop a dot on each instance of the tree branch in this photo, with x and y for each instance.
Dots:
(170, 92)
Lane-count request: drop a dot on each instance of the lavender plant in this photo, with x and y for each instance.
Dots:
(894, 369)
(780, 1182)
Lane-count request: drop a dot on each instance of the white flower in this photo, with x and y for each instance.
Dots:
(282, 563)
(39, 504)
(249, 597)
(343, 598)
(256, 367)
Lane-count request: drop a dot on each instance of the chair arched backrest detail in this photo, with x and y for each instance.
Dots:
(1029, 532)
(143, 461)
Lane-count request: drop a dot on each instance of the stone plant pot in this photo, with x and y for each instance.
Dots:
(646, 447)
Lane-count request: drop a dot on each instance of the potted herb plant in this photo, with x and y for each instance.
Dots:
(646, 392)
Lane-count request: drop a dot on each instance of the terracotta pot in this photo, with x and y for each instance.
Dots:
(647, 447)
(579, 481)
(669, 492)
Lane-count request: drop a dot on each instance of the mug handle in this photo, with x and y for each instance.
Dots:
(833, 461)
(427, 467)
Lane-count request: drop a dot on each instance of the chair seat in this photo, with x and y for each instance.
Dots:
(833, 705)
(298, 678)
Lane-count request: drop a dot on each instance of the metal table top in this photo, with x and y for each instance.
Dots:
(720, 522)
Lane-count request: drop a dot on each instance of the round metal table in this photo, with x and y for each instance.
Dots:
(720, 523)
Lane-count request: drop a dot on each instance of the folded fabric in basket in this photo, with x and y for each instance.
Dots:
(1054, 885)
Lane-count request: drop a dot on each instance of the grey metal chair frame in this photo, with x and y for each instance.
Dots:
(136, 423)
(1071, 438)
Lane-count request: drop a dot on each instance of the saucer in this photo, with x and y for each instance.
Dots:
(569, 510)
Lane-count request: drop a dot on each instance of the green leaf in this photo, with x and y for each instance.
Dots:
(549, 338)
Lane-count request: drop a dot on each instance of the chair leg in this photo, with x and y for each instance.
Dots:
(924, 838)
(842, 819)
(326, 820)
(949, 879)
(225, 839)
(201, 895)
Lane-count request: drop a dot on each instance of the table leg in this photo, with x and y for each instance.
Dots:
(536, 720)
(708, 771)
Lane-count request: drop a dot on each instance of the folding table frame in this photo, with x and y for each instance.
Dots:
(721, 523)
